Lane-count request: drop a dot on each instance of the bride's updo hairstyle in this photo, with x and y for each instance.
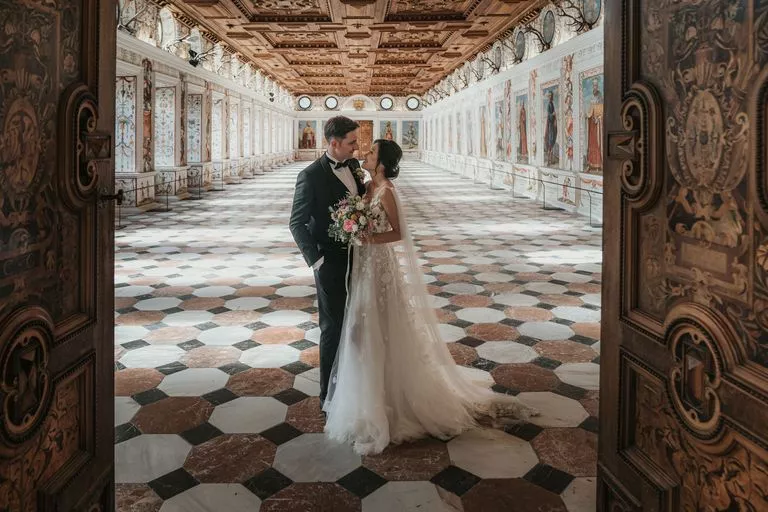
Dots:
(389, 156)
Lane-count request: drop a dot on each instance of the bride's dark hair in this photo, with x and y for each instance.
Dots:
(389, 156)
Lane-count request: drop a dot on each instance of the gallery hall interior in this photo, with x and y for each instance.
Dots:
(553, 292)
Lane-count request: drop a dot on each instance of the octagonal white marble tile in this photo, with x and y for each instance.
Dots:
(515, 299)
(554, 410)
(296, 291)
(494, 277)
(581, 495)
(315, 458)
(188, 318)
(248, 415)
(247, 303)
(583, 375)
(461, 288)
(133, 291)
(545, 330)
(491, 453)
(152, 356)
(225, 335)
(214, 291)
(308, 382)
(144, 458)
(125, 409)
(451, 333)
(194, 382)
(406, 497)
(157, 304)
(576, 314)
(270, 356)
(286, 318)
(126, 333)
(213, 498)
(546, 288)
(478, 376)
(480, 315)
(506, 352)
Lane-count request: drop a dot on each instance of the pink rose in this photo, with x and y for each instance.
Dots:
(348, 225)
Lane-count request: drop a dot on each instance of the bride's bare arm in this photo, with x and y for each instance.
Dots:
(390, 208)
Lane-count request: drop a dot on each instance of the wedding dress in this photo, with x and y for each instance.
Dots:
(394, 379)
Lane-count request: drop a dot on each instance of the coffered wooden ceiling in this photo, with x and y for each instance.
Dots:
(358, 46)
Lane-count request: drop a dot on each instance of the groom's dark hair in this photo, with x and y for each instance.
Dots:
(338, 127)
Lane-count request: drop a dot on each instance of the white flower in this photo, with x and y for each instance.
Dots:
(355, 228)
(363, 220)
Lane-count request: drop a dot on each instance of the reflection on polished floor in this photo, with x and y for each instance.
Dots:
(215, 343)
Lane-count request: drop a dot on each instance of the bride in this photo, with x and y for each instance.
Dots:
(394, 379)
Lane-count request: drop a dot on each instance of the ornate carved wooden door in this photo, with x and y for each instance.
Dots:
(684, 406)
(57, 63)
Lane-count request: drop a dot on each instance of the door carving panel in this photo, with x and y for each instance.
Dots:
(57, 61)
(685, 293)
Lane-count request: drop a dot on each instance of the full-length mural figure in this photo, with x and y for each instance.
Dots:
(522, 129)
(410, 135)
(483, 132)
(551, 147)
(470, 134)
(307, 136)
(499, 122)
(592, 101)
(388, 130)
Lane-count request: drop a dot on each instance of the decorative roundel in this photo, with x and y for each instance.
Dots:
(413, 103)
(305, 102)
(331, 102)
(386, 103)
(520, 46)
(591, 10)
(548, 27)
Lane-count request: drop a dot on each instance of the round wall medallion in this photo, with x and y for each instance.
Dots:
(520, 46)
(25, 383)
(331, 102)
(386, 103)
(305, 102)
(413, 103)
(548, 27)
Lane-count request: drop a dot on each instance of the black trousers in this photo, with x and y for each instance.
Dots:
(331, 300)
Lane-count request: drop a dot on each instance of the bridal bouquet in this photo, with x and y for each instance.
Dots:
(351, 220)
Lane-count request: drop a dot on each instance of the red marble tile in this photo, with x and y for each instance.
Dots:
(171, 335)
(312, 497)
(433, 290)
(529, 314)
(311, 356)
(210, 357)
(585, 287)
(444, 316)
(145, 280)
(525, 377)
(445, 261)
(140, 318)
(588, 329)
(561, 300)
(291, 303)
(462, 354)
(125, 302)
(486, 268)
(503, 287)
(299, 281)
(306, 416)
(230, 458)
(565, 351)
(173, 415)
(202, 303)
(493, 332)
(223, 281)
(573, 450)
(471, 301)
(531, 276)
(420, 460)
(455, 278)
(510, 495)
(256, 291)
(173, 291)
(260, 382)
(236, 317)
(136, 498)
(278, 335)
(591, 403)
(131, 381)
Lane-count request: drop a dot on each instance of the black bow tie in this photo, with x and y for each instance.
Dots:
(339, 165)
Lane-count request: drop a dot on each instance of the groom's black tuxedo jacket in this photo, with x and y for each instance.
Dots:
(317, 190)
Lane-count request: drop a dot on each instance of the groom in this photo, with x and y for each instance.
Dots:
(320, 187)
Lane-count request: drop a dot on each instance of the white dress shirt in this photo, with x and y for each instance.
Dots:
(344, 174)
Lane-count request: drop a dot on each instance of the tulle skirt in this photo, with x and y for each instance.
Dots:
(394, 379)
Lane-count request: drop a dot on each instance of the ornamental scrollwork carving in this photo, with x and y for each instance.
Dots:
(640, 159)
(25, 381)
(82, 147)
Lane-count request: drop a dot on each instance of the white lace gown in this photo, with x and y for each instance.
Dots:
(394, 379)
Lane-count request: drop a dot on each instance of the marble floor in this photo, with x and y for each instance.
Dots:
(216, 357)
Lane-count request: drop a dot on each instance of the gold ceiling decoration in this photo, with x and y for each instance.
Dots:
(358, 46)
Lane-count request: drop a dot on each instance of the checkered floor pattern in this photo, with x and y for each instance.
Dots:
(216, 357)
